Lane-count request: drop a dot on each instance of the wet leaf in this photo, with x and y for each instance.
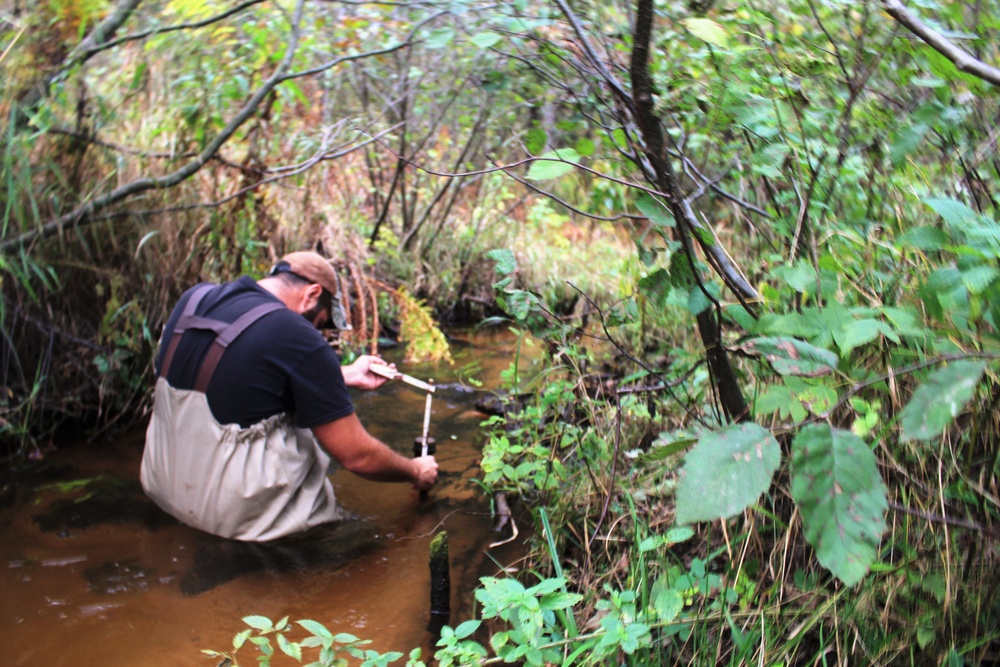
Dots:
(840, 494)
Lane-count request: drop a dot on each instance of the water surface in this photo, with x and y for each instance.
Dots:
(92, 573)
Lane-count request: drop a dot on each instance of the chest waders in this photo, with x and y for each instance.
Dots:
(254, 483)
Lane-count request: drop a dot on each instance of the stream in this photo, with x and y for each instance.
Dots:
(93, 573)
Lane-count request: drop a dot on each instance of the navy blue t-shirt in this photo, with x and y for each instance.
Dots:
(281, 363)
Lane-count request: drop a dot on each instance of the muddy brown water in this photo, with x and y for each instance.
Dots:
(92, 573)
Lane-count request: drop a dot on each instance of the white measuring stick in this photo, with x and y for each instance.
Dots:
(427, 424)
(387, 372)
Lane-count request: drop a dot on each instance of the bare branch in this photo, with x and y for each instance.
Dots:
(82, 213)
(962, 59)
(98, 36)
(87, 51)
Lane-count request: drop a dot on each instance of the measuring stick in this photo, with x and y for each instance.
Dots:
(427, 422)
(387, 372)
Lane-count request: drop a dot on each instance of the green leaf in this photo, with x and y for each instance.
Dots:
(978, 278)
(801, 276)
(668, 604)
(725, 472)
(925, 238)
(241, 638)
(906, 140)
(925, 635)
(485, 40)
(940, 399)
(649, 544)
(261, 623)
(861, 332)
(316, 628)
(535, 140)
(467, 628)
(708, 30)
(553, 164)
(839, 492)
(656, 286)
(678, 534)
(290, 649)
(698, 301)
(792, 357)
(555, 601)
(954, 212)
(585, 146)
(653, 209)
(439, 38)
(506, 262)
(520, 303)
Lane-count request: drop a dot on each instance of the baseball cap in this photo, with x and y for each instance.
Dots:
(313, 267)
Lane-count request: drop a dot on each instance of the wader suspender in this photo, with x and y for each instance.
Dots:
(225, 334)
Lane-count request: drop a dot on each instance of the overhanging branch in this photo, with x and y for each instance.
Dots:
(81, 214)
(962, 59)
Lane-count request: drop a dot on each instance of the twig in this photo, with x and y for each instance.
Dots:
(937, 518)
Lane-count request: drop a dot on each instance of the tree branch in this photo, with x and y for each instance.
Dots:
(962, 59)
(82, 213)
(87, 51)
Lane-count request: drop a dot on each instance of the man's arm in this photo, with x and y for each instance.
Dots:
(347, 441)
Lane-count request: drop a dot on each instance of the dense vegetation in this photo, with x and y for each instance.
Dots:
(759, 243)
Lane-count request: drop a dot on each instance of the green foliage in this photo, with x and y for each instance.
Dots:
(734, 466)
(789, 356)
(332, 649)
(425, 342)
(837, 487)
(940, 399)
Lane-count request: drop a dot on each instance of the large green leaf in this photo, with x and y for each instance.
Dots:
(792, 357)
(439, 38)
(653, 209)
(708, 30)
(954, 212)
(506, 263)
(725, 472)
(937, 402)
(839, 492)
(485, 40)
(553, 164)
(860, 332)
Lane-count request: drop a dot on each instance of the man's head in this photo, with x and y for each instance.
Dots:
(315, 283)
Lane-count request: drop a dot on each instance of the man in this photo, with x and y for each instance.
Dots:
(246, 386)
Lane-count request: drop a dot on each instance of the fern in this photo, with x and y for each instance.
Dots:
(425, 342)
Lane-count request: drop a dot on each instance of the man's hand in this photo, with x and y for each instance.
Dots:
(359, 376)
(427, 472)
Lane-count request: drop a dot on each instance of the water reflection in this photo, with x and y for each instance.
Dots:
(86, 558)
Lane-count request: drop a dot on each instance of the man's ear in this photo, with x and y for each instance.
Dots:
(311, 295)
